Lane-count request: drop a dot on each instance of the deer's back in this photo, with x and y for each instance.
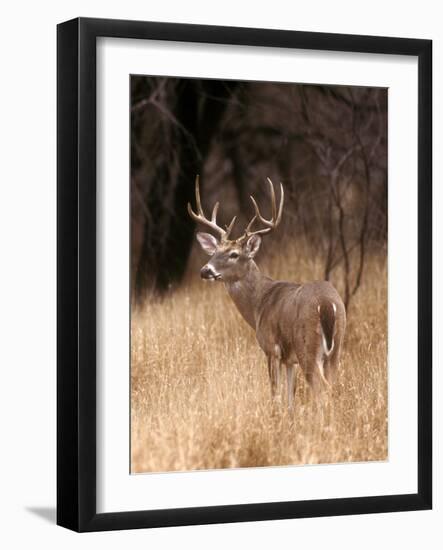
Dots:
(289, 315)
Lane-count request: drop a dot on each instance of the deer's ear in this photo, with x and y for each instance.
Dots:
(253, 245)
(207, 242)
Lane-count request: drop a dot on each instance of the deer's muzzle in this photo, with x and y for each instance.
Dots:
(207, 272)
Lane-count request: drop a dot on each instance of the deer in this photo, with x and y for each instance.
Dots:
(296, 324)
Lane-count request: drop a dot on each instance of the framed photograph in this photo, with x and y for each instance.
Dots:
(244, 274)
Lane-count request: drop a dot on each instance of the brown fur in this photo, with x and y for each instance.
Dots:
(291, 320)
(295, 324)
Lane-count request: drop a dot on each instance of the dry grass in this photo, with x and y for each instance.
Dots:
(200, 395)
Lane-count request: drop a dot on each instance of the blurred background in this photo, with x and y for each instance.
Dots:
(327, 144)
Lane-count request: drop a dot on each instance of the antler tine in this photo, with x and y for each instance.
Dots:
(229, 227)
(276, 214)
(214, 212)
(200, 216)
(197, 196)
(273, 205)
(260, 218)
(250, 224)
(280, 207)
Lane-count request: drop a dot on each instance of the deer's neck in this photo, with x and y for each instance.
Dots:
(247, 292)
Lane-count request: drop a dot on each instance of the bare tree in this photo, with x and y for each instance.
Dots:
(328, 144)
(347, 164)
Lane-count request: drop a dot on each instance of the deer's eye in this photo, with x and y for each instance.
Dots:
(233, 255)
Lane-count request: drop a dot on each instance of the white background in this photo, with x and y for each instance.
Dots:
(116, 489)
(27, 290)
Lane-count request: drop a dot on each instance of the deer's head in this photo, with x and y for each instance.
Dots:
(230, 258)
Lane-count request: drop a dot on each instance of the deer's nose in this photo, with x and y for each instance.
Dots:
(206, 272)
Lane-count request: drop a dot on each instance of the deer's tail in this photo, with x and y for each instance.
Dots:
(327, 311)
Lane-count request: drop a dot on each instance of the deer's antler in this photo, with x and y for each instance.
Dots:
(200, 217)
(276, 214)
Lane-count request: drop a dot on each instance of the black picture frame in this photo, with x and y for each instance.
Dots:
(76, 274)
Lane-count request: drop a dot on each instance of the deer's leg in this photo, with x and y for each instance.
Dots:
(290, 376)
(313, 368)
(274, 375)
(330, 368)
(308, 366)
(312, 377)
(314, 364)
(271, 376)
(331, 365)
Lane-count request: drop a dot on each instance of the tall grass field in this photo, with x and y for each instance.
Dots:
(200, 393)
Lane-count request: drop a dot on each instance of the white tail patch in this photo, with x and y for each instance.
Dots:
(326, 350)
(325, 345)
(322, 372)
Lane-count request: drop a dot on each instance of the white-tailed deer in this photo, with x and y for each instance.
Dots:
(295, 324)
